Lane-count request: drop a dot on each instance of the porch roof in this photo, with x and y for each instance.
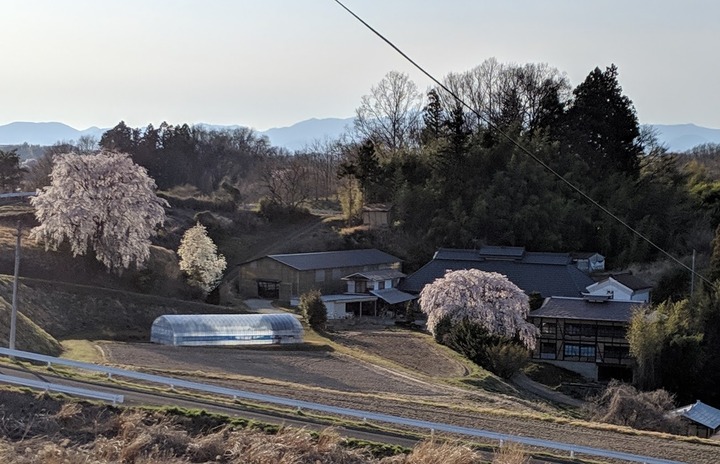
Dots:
(393, 295)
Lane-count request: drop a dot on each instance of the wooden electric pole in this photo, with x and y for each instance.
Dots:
(13, 317)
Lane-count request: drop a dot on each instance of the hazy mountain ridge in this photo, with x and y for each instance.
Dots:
(678, 137)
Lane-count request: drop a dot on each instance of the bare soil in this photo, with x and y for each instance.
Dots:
(404, 348)
(330, 378)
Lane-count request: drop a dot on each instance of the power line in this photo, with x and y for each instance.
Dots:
(519, 146)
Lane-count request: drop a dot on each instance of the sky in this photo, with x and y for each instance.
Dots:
(272, 63)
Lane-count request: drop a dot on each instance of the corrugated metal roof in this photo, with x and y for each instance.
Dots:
(374, 276)
(702, 414)
(335, 259)
(547, 278)
(392, 295)
(579, 308)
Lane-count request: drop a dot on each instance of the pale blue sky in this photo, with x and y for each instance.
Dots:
(271, 63)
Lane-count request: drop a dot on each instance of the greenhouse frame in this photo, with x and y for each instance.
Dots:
(226, 329)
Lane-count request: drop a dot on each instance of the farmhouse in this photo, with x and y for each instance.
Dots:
(287, 276)
(586, 335)
(549, 274)
(226, 329)
(622, 287)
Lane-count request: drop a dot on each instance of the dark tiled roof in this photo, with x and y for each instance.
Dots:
(492, 253)
(702, 414)
(534, 257)
(373, 276)
(548, 278)
(631, 282)
(501, 252)
(583, 254)
(335, 259)
(578, 308)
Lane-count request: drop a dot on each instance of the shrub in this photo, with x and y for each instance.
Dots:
(622, 404)
(313, 309)
(274, 211)
(506, 359)
(494, 353)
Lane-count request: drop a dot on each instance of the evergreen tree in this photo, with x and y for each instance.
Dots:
(313, 309)
(601, 125)
(433, 119)
(10, 171)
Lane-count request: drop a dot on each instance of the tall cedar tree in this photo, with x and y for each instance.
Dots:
(602, 126)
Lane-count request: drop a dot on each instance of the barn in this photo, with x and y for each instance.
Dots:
(226, 329)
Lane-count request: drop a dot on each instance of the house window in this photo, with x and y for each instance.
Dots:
(381, 285)
(611, 331)
(547, 350)
(548, 328)
(584, 330)
(320, 275)
(361, 286)
(582, 352)
(616, 352)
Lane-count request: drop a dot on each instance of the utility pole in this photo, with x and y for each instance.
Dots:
(692, 276)
(13, 317)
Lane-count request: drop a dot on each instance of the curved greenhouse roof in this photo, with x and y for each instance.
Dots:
(226, 329)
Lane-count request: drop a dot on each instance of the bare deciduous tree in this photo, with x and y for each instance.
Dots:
(495, 89)
(391, 114)
(104, 202)
(486, 298)
(287, 181)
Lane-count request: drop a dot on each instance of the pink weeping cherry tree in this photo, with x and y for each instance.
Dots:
(103, 202)
(485, 298)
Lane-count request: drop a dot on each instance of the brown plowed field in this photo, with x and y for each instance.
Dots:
(331, 378)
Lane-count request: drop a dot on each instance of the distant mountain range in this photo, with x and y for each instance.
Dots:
(678, 137)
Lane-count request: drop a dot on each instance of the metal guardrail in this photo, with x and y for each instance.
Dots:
(56, 387)
(364, 415)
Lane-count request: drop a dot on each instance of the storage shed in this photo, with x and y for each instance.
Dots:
(226, 329)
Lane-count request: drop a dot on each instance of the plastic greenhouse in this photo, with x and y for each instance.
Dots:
(226, 329)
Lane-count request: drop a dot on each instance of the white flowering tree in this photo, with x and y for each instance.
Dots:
(200, 260)
(103, 202)
(485, 298)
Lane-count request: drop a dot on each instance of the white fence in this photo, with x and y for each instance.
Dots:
(364, 415)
